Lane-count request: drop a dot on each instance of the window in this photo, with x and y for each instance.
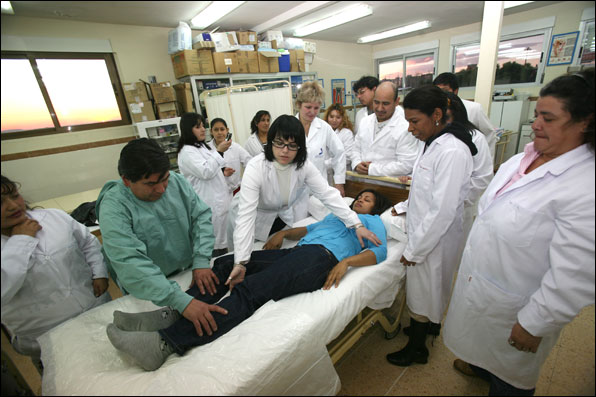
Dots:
(519, 60)
(408, 71)
(45, 93)
(586, 54)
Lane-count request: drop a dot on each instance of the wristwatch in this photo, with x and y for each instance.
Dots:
(357, 226)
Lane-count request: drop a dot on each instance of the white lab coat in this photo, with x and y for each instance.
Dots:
(259, 202)
(323, 143)
(48, 279)
(482, 174)
(253, 145)
(202, 168)
(477, 117)
(360, 115)
(440, 184)
(236, 157)
(529, 258)
(392, 152)
(346, 137)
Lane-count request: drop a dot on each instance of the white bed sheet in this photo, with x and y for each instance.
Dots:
(280, 350)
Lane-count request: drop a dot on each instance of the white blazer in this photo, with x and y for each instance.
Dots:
(202, 168)
(259, 202)
(392, 152)
(47, 279)
(322, 143)
(253, 146)
(236, 157)
(477, 117)
(440, 184)
(529, 258)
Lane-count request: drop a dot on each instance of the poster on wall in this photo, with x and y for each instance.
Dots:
(562, 48)
(355, 100)
(338, 91)
(322, 84)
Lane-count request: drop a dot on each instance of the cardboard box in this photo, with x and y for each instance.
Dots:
(203, 44)
(297, 61)
(248, 37)
(225, 62)
(141, 111)
(186, 63)
(184, 97)
(271, 35)
(135, 92)
(310, 47)
(166, 110)
(192, 62)
(225, 42)
(248, 61)
(268, 61)
(163, 92)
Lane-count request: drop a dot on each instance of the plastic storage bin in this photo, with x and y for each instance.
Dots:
(284, 63)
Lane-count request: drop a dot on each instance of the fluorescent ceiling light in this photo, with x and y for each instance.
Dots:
(347, 15)
(395, 32)
(509, 4)
(214, 12)
(7, 8)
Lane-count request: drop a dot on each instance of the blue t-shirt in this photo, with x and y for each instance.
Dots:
(342, 241)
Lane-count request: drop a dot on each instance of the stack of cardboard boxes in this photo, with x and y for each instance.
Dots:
(139, 105)
(235, 52)
(164, 97)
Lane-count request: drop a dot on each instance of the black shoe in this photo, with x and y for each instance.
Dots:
(415, 351)
(406, 357)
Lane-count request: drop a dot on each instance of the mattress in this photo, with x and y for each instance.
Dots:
(280, 350)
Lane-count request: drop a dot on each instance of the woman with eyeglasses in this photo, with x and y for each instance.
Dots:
(273, 184)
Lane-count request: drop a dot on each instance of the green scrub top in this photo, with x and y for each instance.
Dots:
(146, 241)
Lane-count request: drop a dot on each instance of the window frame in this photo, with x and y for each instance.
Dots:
(582, 33)
(547, 32)
(31, 56)
(403, 57)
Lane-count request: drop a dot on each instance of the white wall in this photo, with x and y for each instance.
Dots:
(348, 61)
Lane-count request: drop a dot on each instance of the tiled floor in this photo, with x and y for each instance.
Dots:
(363, 370)
(569, 370)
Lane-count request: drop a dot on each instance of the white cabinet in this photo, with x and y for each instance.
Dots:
(166, 133)
(525, 137)
(509, 115)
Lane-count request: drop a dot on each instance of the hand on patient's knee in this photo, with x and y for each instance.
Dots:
(199, 313)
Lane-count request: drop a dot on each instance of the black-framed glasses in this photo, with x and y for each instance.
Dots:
(280, 145)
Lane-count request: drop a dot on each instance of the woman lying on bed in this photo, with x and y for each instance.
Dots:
(321, 258)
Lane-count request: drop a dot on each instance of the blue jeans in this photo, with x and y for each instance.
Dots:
(499, 387)
(271, 274)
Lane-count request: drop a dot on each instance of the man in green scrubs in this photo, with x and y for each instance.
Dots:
(153, 225)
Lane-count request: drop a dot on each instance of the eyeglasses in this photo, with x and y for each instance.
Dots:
(291, 146)
(361, 91)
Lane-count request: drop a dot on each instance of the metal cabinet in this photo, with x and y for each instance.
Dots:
(166, 133)
(209, 82)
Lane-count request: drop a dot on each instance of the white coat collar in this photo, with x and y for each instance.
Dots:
(554, 167)
(392, 124)
(315, 126)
